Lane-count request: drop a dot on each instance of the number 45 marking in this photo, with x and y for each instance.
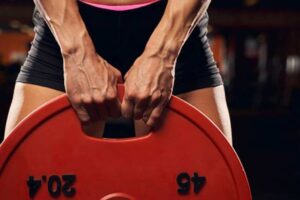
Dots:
(184, 182)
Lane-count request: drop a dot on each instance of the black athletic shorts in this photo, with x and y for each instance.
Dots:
(120, 37)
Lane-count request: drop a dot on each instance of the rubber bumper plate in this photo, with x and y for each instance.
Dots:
(48, 156)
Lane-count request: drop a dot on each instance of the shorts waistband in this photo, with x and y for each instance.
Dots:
(119, 7)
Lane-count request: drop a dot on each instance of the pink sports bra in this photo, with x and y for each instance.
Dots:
(119, 7)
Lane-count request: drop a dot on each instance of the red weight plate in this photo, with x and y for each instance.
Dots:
(48, 156)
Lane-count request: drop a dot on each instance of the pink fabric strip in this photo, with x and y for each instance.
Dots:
(119, 7)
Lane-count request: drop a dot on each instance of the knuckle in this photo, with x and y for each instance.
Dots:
(86, 99)
(143, 96)
(98, 99)
(130, 95)
(150, 122)
(111, 95)
(75, 99)
(156, 95)
(118, 74)
(155, 115)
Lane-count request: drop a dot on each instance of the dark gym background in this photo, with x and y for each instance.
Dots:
(257, 47)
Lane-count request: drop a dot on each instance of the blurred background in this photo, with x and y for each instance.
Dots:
(257, 47)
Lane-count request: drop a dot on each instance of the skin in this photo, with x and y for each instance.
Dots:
(90, 81)
(210, 101)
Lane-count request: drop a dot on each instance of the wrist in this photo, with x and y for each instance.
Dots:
(168, 55)
(79, 46)
(167, 49)
(166, 42)
(79, 54)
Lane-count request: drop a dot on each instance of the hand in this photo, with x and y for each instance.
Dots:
(148, 88)
(91, 85)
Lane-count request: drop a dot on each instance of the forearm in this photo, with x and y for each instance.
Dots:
(64, 20)
(177, 23)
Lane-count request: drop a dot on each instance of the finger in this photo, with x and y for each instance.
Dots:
(114, 108)
(99, 102)
(112, 103)
(82, 113)
(77, 104)
(102, 111)
(127, 107)
(118, 75)
(155, 116)
(155, 100)
(92, 112)
(140, 107)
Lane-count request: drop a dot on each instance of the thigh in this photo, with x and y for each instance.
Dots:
(212, 102)
(26, 98)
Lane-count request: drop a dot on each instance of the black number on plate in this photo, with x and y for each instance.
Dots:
(57, 185)
(54, 186)
(67, 188)
(184, 182)
(34, 186)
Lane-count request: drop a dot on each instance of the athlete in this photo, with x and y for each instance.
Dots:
(156, 48)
